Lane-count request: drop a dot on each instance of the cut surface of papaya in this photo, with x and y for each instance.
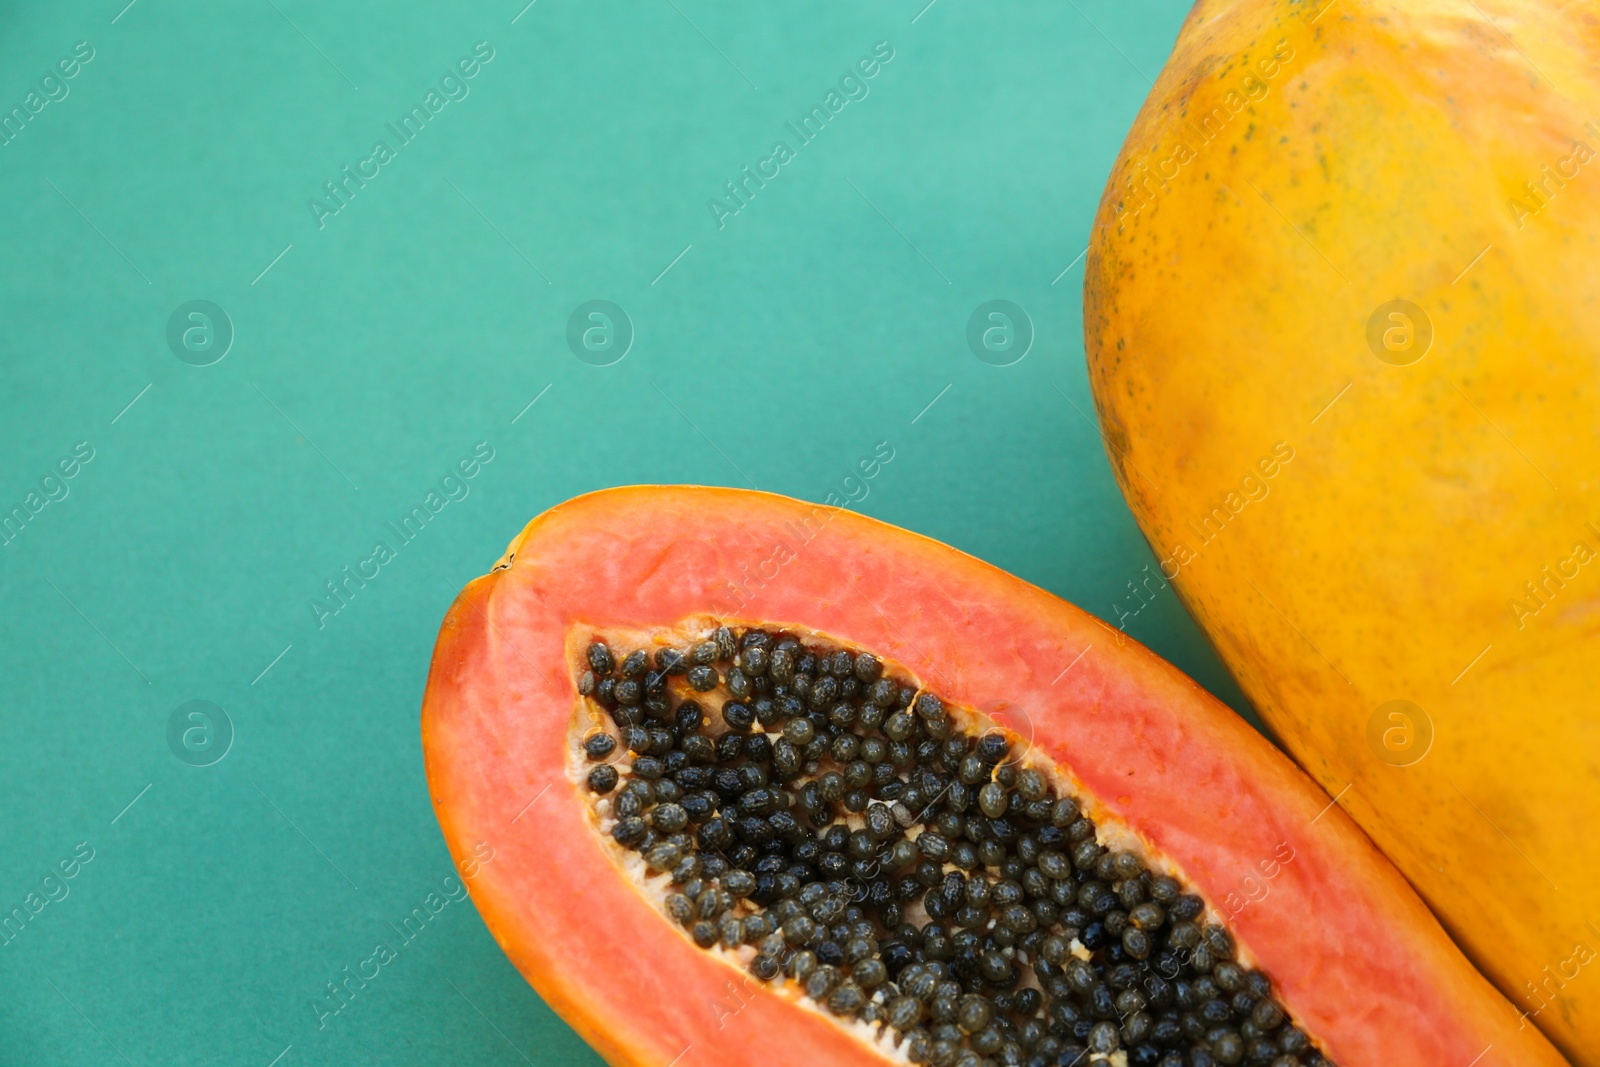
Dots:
(772, 782)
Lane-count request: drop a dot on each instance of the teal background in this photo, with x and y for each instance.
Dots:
(423, 318)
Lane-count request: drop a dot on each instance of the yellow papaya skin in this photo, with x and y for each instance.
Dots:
(1342, 320)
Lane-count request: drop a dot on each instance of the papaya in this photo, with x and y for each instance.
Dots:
(1340, 318)
(764, 781)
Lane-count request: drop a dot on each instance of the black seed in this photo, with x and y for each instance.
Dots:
(663, 856)
(723, 640)
(858, 949)
(1186, 907)
(996, 969)
(699, 806)
(880, 824)
(992, 800)
(1019, 919)
(755, 661)
(823, 692)
(799, 930)
(738, 716)
(1220, 942)
(1228, 1048)
(780, 667)
(634, 665)
(1136, 943)
(714, 834)
(760, 801)
(1038, 810)
(798, 731)
(934, 845)
(972, 770)
(899, 726)
(1292, 1041)
(1164, 890)
(679, 908)
(787, 828)
(688, 718)
(1054, 865)
(822, 980)
(993, 747)
(904, 1012)
(974, 1013)
(668, 818)
(629, 832)
(600, 660)
(702, 679)
(758, 749)
(866, 668)
(603, 779)
(1085, 855)
(1266, 1015)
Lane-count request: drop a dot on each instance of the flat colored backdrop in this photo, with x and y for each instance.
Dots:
(229, 459)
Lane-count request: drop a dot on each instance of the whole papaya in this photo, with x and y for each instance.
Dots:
(1342, 319)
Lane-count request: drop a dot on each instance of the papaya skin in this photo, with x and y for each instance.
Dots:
(1227, 299)
(1359, 961)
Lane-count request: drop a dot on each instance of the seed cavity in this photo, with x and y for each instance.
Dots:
(828, 824)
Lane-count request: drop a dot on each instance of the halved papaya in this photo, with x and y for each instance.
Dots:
(766, 782)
